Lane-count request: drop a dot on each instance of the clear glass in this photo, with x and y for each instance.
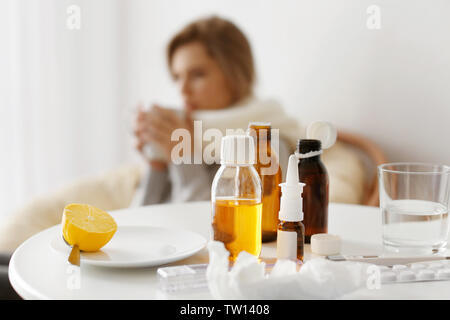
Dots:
(237, 209)
(414, 202)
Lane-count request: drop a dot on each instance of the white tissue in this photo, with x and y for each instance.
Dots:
(317, 278)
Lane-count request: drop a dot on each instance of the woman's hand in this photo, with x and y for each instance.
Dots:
(156, 126)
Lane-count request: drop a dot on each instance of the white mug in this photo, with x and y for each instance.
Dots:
(154, 152)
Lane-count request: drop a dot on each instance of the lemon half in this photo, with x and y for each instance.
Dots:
(87, 226)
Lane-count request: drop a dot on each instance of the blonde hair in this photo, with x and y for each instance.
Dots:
(226, 44)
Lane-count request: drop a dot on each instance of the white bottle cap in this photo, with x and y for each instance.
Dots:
(291, 204)
(325, 244)
(323, 131)
(237, 150)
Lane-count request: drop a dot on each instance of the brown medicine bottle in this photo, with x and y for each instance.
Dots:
(268, 168)
(291, 231)
(312, 172)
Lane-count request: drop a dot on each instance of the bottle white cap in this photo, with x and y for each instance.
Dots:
(325, 244)
(291, 204)
(237, 150)
(324, 131)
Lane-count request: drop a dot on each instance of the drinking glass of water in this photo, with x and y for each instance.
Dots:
(414, 201)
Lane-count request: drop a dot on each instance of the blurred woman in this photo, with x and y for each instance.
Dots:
(211, 62)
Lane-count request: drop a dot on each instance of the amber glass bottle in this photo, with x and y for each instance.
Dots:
(268, 168)
(313, 173)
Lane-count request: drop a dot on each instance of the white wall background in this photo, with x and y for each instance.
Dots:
(320, 59)
(63, 92)
(60, 96)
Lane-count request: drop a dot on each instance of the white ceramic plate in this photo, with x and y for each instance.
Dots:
(139, 246)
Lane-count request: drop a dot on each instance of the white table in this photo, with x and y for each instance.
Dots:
(38, 272)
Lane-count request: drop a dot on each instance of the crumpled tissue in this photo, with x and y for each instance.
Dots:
(316, 279)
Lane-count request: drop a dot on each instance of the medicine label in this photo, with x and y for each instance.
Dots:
(286, 245)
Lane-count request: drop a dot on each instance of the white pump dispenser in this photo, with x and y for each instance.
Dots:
(291, 206)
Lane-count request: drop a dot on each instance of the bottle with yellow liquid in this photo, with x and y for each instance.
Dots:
(268, 168)
(236, 198)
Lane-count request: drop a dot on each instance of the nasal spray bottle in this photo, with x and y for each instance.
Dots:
(291, 231)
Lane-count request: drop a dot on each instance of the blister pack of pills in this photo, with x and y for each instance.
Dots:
(419, 271)
(178, 278)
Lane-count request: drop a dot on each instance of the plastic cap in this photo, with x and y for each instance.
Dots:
(237, 150)
(325, 244)
(291, 204)
(323, 131)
